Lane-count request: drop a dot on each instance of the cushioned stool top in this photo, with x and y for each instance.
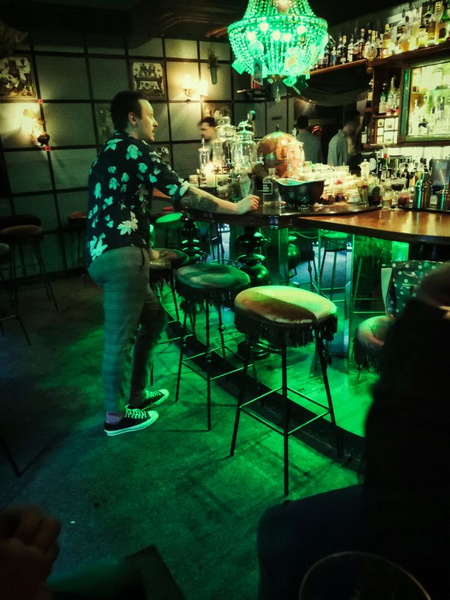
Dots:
(20, 232)
(176, 258)
(372, 332)
(170, 221)
(79, 214)
(282, 305)
(212, 277)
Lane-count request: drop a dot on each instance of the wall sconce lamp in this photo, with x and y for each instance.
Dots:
(202, 88)
(33, 125)
(192, 88)
(187, 86)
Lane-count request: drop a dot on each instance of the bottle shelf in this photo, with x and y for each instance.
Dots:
(399, 60)
(346, 65)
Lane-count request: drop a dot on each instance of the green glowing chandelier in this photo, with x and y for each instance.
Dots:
(281, 38)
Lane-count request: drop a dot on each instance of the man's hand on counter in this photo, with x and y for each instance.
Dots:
(247, 204)
(202, 200)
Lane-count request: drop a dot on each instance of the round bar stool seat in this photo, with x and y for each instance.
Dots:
(172, 220)
(286, 317)
(171, 223)
(23, 235)
(370, 337)
(78, 218)
(212, 284)
(20, 234)
(216, 282)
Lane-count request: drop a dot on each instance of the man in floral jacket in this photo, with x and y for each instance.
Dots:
(121, 180)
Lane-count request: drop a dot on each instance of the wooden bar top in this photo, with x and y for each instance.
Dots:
(388, 224)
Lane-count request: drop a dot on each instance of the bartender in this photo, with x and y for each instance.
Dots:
(342, 146)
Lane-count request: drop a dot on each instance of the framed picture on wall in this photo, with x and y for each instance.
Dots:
(104, 122)
(17, 78)
(216, 110)
(148, 78)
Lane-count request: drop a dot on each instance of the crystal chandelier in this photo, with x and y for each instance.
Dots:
(281, 38)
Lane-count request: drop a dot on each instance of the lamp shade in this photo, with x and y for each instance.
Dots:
(281, 38)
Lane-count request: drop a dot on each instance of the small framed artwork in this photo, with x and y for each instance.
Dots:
(17, 78)
(105, 127)
(216, 110)
(148, 78)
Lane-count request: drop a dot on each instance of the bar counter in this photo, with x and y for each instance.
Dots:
(389, 224)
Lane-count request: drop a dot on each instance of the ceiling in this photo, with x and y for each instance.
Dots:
(144, 19)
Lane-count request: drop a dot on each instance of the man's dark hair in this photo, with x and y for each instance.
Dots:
(124, 103)
(209, 120)
(302, 122)
(350, 116)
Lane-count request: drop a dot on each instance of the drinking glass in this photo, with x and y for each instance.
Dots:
(359, 576)
(397, 184)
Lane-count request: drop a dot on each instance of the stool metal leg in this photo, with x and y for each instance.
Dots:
(208, 367)
(182, 349)
(221, 329)
(320, 346)
(44, 276)
(241, 396)
(286, 418)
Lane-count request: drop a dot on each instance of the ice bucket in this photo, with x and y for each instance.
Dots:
(300, 193)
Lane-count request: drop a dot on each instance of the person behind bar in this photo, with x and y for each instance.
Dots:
(342, 145)
(311, 143)
(400, 512)
(118, 253)
(208, 129)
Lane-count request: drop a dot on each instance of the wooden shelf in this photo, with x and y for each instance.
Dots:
(348, 65)
(399, 60)
(386, 116)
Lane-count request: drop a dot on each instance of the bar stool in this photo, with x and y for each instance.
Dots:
(25, 242)
(333, 241)
(214, 285)
(77, 224)
(162, 272)
(6, 314)
(286, 317)
(171, 225)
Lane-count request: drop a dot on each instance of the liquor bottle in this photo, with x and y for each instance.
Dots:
(343, 50)
(391, 97)
(400, 27)
(431, 28)
(443, 27)
(370, 94)
(438, 12)
(405, 37)
(350, 48)
(333, 54)
(383, 100)
(386, 47)
(270, 193)
(361, 44)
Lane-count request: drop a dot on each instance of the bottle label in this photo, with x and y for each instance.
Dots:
(268, 187)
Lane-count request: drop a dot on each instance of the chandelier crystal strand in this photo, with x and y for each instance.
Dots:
(284, 36)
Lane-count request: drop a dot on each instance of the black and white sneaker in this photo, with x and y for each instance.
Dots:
(153, 399)
(134, 419)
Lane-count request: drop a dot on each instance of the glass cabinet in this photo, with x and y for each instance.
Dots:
(426, 102)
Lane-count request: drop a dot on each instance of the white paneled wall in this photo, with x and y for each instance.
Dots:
(76, 77)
